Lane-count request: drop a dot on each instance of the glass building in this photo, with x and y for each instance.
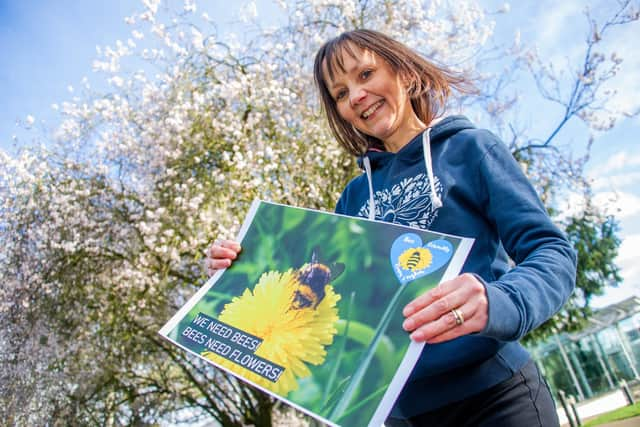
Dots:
(595, 360)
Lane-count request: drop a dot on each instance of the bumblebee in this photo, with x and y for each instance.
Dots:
(415, 259)
(312, 278)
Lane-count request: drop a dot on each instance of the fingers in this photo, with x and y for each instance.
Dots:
(429, 317)
(224, 249)
(214, 265)
(221, 254)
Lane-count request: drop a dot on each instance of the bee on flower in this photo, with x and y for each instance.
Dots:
(294, 313)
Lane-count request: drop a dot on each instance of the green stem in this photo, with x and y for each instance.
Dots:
(378, 393)
(366, 360)
(344, 335)
(363, 335)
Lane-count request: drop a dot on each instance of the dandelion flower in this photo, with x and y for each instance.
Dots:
(292, 338)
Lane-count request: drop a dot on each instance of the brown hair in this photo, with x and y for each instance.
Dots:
(429, 85)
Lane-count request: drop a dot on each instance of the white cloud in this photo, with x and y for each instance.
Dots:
(620, 204)
(627, 260)
(616, 181)
(627, 80)
(553, 19)
(627, 88)
(572, 205)
(630, 273)
(616, 162)
(622, 160)
(614, 295)
(628, 251)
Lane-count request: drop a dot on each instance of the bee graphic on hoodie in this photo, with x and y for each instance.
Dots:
(312, 279)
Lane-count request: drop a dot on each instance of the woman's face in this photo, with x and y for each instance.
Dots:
(372, 97)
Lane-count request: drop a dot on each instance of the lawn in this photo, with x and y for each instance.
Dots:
(618, 414)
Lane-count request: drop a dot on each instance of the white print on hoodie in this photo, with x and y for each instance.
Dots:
(408, 203)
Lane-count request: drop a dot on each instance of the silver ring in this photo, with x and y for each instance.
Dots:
(458, 315)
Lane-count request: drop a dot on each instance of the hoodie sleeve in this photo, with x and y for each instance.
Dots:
(545, 262)
(347, 205)
(340, 208)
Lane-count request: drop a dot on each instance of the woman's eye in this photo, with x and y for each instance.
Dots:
(341, 94)
(365, 74)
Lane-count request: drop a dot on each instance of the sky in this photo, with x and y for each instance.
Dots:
(48, 48)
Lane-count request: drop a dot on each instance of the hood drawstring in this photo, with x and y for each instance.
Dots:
(436, 202)
(372, 203)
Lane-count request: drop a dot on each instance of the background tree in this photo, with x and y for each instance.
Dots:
(104, 227)
(581, 93)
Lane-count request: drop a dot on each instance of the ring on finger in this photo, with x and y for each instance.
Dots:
(458, 315)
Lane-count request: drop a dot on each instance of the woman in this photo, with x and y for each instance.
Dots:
(384, 103)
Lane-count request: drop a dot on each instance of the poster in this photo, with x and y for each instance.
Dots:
(311, 311)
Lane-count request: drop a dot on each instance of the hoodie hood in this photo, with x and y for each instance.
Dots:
(439, 132)
(418, 149)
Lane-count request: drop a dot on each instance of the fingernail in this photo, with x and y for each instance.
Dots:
(406, 311)
(407, 325)
(416, 336)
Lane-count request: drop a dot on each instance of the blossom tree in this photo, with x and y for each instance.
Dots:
(580, 92)
(105, 226)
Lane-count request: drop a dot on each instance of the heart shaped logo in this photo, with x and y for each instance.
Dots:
(411, 259)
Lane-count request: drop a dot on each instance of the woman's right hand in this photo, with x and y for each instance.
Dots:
(221, 254)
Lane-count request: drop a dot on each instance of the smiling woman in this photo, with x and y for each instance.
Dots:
(385, 104)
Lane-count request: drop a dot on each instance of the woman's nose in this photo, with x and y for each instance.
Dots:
(357, 95)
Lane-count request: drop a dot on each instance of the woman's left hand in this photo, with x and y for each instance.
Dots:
(454, 308)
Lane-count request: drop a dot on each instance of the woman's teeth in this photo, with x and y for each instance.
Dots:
(371, 109)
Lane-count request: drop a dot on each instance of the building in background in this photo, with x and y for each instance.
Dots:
(596, 360)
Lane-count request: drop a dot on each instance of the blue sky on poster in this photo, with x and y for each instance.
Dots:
(48, 48)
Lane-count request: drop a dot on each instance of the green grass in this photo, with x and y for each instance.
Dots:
(618, 414)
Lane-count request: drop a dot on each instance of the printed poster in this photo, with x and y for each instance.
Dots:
(311, 311)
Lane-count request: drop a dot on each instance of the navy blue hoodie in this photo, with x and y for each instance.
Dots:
(477, 190)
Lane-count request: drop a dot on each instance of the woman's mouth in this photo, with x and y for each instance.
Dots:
(369, 111)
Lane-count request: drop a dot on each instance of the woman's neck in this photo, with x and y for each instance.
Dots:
(413, 130)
